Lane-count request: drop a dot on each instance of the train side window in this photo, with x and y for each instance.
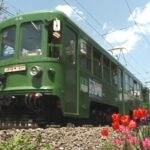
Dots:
(120, 79)
(85, 55)
(120, 84)
(139, 90)
(97, 65)
(8, 42)
(114, 74)
(70, 45)
(146, 95)
(136, 87)
(131, 86)
(106, 69)
(127, 83)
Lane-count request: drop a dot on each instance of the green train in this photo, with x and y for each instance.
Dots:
(51, 70)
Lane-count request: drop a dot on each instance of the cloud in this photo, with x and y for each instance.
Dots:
(141, 16)
(130, 37)
(71, 12)
(124, 38)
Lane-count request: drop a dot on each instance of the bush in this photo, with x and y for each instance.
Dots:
(23, 142)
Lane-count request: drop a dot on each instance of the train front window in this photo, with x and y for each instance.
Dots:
(8, 42)
(31, 39)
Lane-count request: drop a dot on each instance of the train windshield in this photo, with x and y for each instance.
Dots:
(8, 42)
(31, 38)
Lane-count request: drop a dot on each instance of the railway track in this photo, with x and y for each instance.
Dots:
(4, 125)
(17, 125)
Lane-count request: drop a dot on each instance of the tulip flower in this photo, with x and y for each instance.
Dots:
(105, 132)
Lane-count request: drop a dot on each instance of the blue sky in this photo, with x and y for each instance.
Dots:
(106, 16)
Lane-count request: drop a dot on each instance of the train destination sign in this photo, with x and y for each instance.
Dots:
(15, 68)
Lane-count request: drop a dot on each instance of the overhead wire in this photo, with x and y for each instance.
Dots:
(137, 25)
(100, 24)
(124, 28)
(107, 33)
(6, 11)
(13, 7)
(144, 69)
(88, 13)
(88, 23)
(3, 9)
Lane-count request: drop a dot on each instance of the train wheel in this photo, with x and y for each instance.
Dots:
(42, 125)
(94, 117)
(57, 117)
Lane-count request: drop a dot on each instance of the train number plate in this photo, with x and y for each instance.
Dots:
(15, 68)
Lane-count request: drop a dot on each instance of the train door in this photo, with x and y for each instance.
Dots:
(70, 71)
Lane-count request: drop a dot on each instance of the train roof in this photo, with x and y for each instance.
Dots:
(47, 15)
(43, 14)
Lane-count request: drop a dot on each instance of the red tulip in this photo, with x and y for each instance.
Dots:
(140, 113)
(136, 114)
(144, 113)
(116, 117)
(132, 124)
(105, 132)
(125, 120)
(115, 125)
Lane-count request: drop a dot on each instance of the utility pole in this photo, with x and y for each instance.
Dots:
(3, 10)
(1, 5)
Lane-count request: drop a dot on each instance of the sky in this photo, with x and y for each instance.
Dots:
(121, 27)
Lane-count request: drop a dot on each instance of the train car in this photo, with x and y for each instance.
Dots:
(146, 97)
(51, 69)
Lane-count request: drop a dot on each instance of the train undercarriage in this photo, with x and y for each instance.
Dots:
(36, 110)
(101, 113)
(30, 109)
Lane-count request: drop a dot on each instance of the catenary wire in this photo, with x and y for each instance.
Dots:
(137, 25)
(124, 28)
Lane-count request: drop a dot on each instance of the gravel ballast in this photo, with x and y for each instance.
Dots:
(64, 138)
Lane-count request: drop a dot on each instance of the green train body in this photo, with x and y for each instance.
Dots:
(48, 63)
(146, 97)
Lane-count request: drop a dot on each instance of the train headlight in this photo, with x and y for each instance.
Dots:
(35, 70)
